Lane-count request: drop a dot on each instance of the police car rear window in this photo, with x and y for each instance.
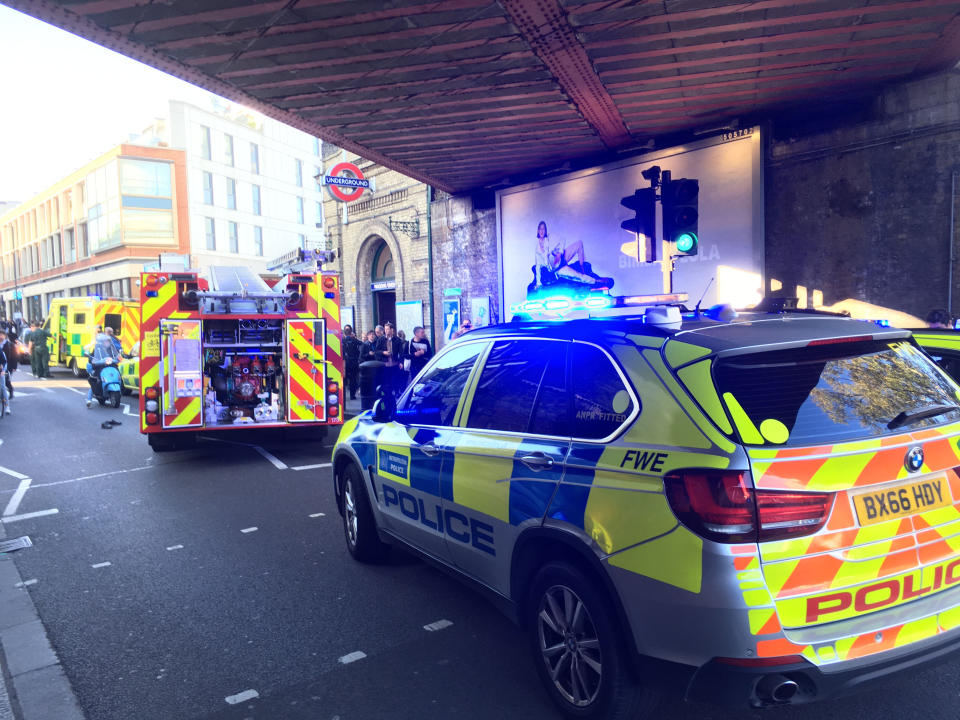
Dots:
(826, 394)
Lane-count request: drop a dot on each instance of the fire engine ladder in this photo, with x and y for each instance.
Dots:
(237, 289)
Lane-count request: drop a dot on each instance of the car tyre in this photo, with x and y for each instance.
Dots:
(578, 649)
(75, 369)
(359, 527)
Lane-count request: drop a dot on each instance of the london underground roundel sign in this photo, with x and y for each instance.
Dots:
(346, 181)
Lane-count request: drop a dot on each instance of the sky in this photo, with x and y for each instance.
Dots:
(66, 100)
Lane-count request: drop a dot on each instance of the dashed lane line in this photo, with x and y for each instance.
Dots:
(241, 697)
(273, 459)
(312, 467)
(29, 516)
(249, 530)
(97, 566)
(315, 515)
(92, 477)
(175, 547)
(18, 494)
(71, 389)
(26, 583)
(438, 625)
(353, 657)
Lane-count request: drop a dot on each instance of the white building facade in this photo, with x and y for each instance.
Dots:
(251, 194)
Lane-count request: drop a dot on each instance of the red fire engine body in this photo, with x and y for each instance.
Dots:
(226, 351)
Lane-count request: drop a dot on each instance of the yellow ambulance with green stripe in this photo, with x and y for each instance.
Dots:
(759, 511)
(73, 323)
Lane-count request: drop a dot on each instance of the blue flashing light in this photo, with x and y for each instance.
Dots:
(151, 293)
(557, 304)
(532, 306)
(882, 323)
(597, 301)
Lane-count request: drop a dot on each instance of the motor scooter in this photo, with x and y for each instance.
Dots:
(107, 385)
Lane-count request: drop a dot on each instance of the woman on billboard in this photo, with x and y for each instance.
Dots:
(552, 263)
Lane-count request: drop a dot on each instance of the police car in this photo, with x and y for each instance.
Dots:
(763, 510)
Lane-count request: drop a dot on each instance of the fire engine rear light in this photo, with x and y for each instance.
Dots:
(151, 393)
(720, 506)
(329, 283)
(333, 387)
(333, 411)
(152, 419)
(151, 406)
(333, 399)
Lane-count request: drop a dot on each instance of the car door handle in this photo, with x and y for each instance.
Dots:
(429, 450)
(537, 461)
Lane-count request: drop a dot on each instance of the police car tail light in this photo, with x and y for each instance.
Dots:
(789, 514)
(721, 506)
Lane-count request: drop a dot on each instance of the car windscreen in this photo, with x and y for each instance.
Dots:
(834, 392)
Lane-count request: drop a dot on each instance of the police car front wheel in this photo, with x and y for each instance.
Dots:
(577, 648)
(359, 527)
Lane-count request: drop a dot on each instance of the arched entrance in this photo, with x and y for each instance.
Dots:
(383, 284)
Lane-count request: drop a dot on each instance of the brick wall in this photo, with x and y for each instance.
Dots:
(862, 210)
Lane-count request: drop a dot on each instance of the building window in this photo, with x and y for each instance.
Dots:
(300, 210)
(258, 241)
(256, 200)
(319, 213)
(83, 246)
(70, 242)
(211, 233)
(208, 188)
(254, 158)
(231, 194)
(316, 146)
(205, 142)
(145, 178)
(303, 241)
(234, 237)
(299, 173)
(228, 149)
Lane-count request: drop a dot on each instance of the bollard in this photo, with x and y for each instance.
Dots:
(371, 375)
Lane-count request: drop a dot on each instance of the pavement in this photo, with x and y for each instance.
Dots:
(214, 583)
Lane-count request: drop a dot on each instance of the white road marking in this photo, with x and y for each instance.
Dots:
(72, 389)
(317, 514)
(100, 565)
(353, 657)
(26, 583)
(14, 503)
(127, 410)
(45, 389)
(249, 530)
(274, 460)
(91, 477)
(241, 697)
(175, 547)
(438, 625)
(312, 467)
(13, 473)
(28, 516)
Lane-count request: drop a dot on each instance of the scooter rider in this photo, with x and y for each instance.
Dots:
(104, 353)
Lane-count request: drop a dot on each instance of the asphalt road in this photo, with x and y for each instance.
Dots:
(228, 576)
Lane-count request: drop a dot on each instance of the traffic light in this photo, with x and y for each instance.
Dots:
(679, 198)
(644, 203)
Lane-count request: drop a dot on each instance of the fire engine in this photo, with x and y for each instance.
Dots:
(222, 350)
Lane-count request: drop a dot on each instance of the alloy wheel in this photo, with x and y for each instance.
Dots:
(569, 645)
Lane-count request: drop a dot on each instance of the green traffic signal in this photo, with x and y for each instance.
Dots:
(686, 242)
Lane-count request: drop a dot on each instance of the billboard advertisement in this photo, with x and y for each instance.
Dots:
(573, 221)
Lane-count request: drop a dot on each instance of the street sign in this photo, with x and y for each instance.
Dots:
(346, 175)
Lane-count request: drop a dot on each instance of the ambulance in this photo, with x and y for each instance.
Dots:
(751, 510)
(73, 322)
(222, 351)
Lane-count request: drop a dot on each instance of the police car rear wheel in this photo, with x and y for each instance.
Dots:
(577, 649)
(359, 527)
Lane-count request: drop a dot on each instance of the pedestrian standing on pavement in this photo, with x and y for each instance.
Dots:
(368, 351)
(38, 341)
(7, 351)
(9, 347)
(420, 351)
(28, 338)
(351, 360)
(388, 350)
(379, 331)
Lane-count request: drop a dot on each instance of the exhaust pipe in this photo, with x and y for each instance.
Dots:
(776, 688)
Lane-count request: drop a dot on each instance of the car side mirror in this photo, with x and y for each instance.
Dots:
(384, 408)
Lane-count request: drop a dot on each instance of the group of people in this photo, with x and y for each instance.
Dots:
(403, 359)
(36, 340)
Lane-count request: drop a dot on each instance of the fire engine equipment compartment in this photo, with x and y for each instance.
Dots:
(243, 371)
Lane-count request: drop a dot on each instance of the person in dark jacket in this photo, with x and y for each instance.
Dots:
(420, 351)
(9, 347)
(351, 360)
(389, 349)
(368, 350)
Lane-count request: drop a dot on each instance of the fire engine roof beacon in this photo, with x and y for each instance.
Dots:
(223, 351)
(758, 509)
